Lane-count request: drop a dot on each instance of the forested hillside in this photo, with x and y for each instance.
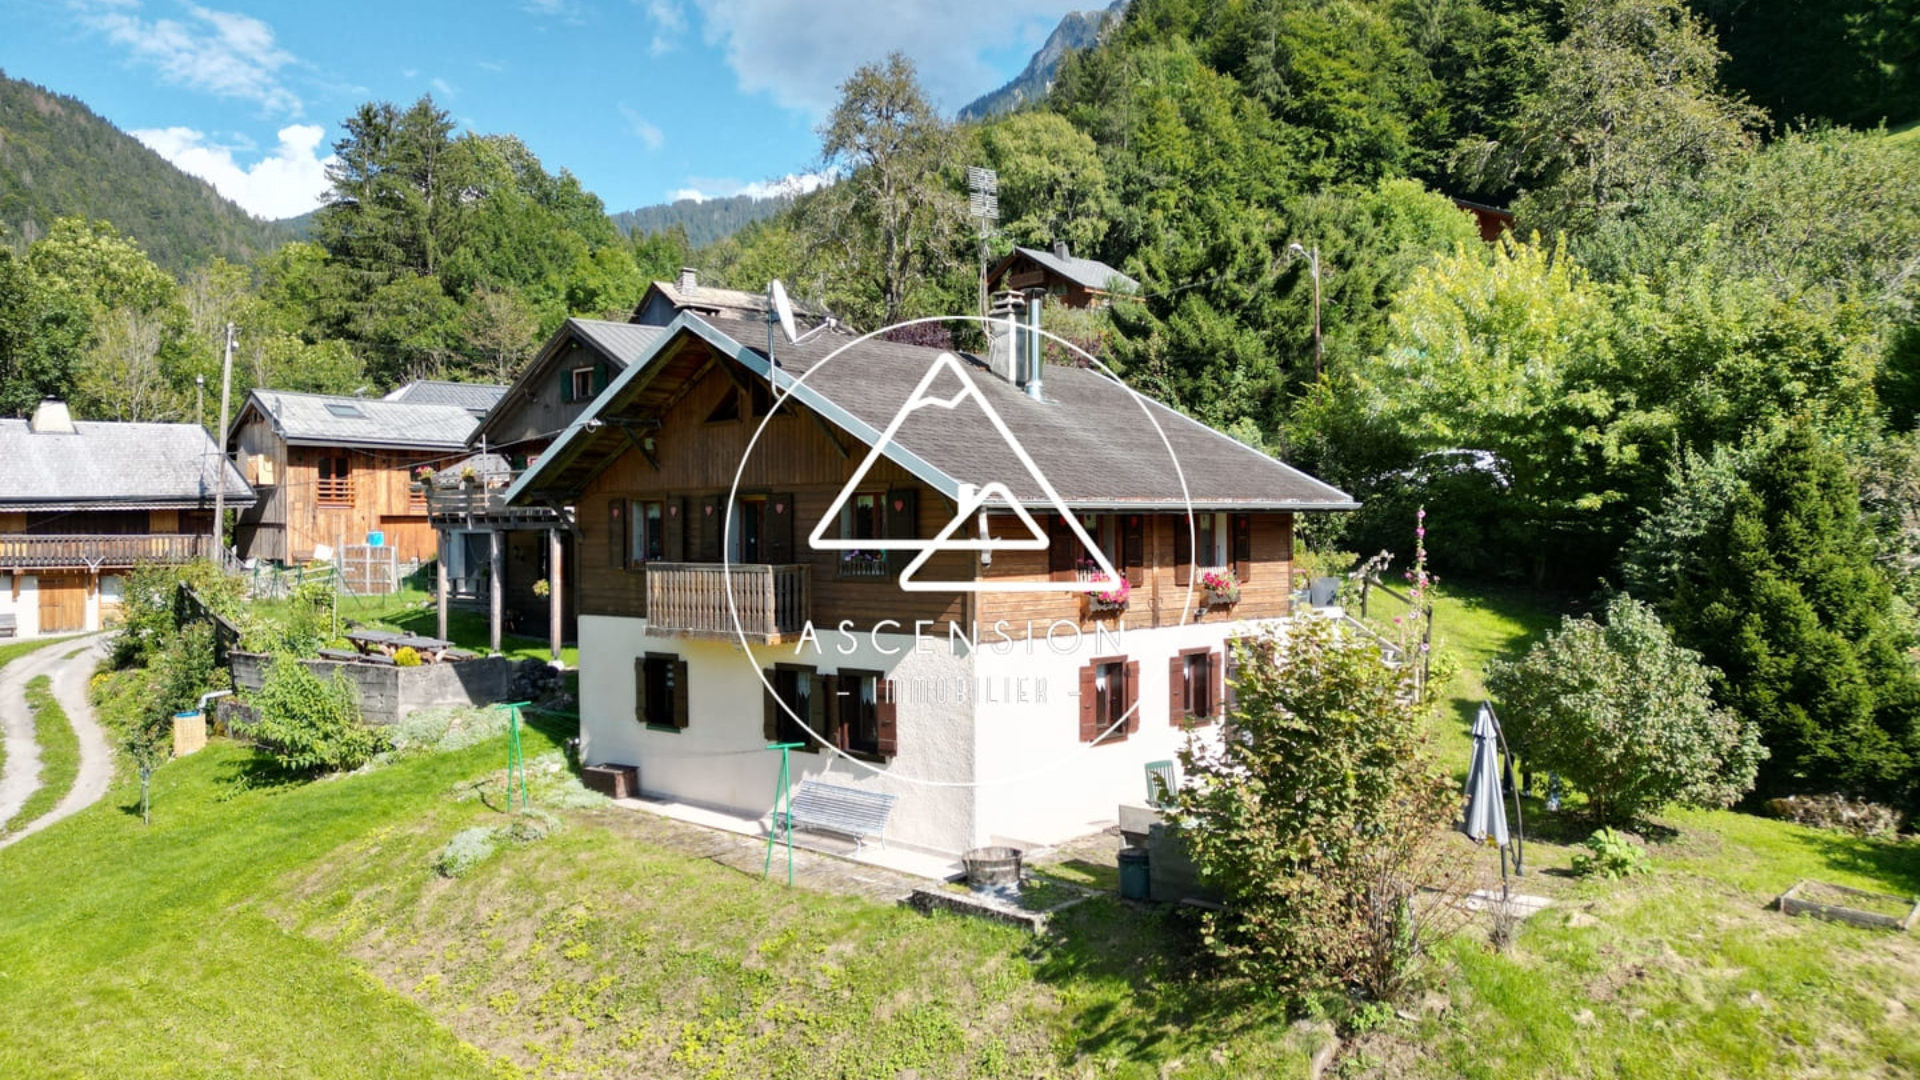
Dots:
(58, 159)
(1077, 30)
(700, 221)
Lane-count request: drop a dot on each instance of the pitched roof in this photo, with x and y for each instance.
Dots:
(476, 398)
(1098, 443)
(725, 303)
(1087, 273)
(621, 343)
(106, 465)
(340, 420)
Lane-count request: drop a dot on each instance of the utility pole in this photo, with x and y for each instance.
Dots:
(220, 440)
(1313, 264)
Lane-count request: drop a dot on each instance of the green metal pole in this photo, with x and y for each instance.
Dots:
(782, 806)
(516, 761)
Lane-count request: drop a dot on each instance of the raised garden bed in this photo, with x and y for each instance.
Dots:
(1857, 907)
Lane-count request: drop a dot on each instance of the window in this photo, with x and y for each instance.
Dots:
(857, 708)
(1194, 682)
(1206, 538)
(648, 532)
(580, 384)
(797, 693)
(660, 691)
(1109, 689)
(335, 483)
(345, 411)
(860, 520)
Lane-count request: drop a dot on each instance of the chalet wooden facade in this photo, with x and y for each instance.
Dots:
(1015, 704)
(84, 502)
(333, 470)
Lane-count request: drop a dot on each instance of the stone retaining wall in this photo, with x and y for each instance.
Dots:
(388, 693)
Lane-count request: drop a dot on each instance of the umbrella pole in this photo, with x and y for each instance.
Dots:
(1519, 825)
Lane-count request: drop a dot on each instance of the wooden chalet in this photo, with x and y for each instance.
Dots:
(495, 555)
(83, 502)
(666, 300)
(711, 623)
(333, 470)
(1069, 279)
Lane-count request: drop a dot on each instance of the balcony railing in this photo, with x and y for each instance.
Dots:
(691, 598)
(23, 551)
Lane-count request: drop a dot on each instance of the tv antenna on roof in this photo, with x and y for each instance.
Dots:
(780, 312)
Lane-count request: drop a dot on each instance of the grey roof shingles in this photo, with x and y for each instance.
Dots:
(473, 397)
(105, 465)
(1097, 442)
(306, 420)
(621, 342)
(1089, 273)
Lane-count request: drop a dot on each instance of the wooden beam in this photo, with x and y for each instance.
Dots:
(642, 447)
(827, 430)
(496, 587)
(556, 594)
(441, 583)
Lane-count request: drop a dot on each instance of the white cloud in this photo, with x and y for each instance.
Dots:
(286, 183)
(568, 11)
(669, 21)
(639, 128)
(219, 52)
(800, 51)
(700, 189)
(442, 87)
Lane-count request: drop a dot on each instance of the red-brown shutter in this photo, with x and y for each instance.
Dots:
(834, 730)
(1133, 549)
(640, 690)
(1177, 689)
(1059, 548)
(1242, 533)
(778, 542)
(1182, 552)
(1133, 696)
(712, 521)
(1089, 705)
(617, 534)
(887, 711)
(681, 688)
(770, 707)
(675, 549)
(1217, 664)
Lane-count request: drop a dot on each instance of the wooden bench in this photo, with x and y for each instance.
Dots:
(842, 810)
(9, 624)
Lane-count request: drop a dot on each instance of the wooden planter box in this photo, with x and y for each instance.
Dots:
(1793, 902)
(613, 781)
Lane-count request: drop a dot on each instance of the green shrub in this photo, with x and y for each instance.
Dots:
(310, 725)
(1610, 855)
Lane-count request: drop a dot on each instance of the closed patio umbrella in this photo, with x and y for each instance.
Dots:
(1486, 814)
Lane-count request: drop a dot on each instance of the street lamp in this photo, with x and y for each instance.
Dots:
(1313, 263)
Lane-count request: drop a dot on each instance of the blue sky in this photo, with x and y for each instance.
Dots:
(644, 100)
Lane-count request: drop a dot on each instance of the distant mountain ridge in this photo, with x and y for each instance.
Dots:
(59, 158)
(1078, 30)
(706, 221)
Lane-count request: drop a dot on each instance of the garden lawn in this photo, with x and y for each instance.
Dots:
(413, 611)
(59, 755)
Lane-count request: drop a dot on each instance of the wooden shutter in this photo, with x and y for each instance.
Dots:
(640, 689)
(617, 534)
(1217, 667)
(902, 522)
(776, 544)
(710, 525)
(887, 711)
(566, 382)
(1240, 529)
(1059, 548)
(1133, 549)
(681, 688)
(1182, 553)
(1133, 696)
(674, 547)
(816, 705)
(836, 727)
(1286, 538)
(770, 708)
(1177, 689)
(1089, 704)
(599, 378)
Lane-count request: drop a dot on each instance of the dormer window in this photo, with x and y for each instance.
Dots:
(581, 383)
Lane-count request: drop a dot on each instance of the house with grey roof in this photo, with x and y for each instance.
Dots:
(981, 599)
(666, 300)
(1067, 278)
(82, 502)
(335, 470)
(476, 398)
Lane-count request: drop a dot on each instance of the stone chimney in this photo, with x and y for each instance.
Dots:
(1060, 249)
(50, 417)
(689, 279)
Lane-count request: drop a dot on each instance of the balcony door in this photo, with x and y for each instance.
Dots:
(750, 529)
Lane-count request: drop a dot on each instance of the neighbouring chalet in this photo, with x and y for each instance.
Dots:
(82, 502)
(1069, 279)
(988, 688)
(333, 469)
(665, 300)
(482, 541)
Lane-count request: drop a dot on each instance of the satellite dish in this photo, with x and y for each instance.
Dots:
(783, 309)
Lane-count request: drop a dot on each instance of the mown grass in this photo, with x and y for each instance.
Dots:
(59, 749)
(412, 611)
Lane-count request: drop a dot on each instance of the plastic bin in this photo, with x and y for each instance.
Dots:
(1135, 881)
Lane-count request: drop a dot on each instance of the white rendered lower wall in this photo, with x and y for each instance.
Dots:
(26, 607)
(720, 760)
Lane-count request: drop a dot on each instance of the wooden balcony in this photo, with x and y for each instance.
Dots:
(23, 551)
(691, 599)
(483, 503)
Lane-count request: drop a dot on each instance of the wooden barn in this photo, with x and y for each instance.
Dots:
(332, 470)
(82, 502)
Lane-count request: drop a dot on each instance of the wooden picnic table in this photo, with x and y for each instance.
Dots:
(387, 642)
